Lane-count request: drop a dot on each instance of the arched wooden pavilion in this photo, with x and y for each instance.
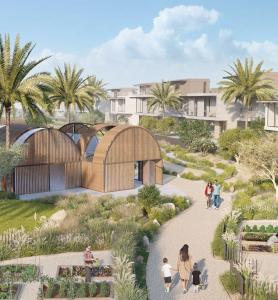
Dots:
(102, 157)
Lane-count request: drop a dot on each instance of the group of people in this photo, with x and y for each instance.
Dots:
(185, 270)
(212, 193)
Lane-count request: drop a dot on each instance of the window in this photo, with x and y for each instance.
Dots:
(113, 105)
(121, 105)
(139, 105)
(271, 114)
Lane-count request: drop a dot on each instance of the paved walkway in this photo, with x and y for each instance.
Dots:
(49, 264)
(195, 227)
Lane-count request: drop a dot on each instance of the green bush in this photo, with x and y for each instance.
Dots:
(205, 145)
(104, 290)
(218, 247)
(161, 214)
(63, 288)
(276, 229)
(149, 229)
(270, 229)
(190, 176)
(181, 202)
(93, 289)
(255, 228)
(149, 123)
(229, 282)
(7, 195)
(50, 288)
(81, 290)
(243, 202)
(256, 236)
(247, 228)
(262, 229)
(166, 125)
(149, 196)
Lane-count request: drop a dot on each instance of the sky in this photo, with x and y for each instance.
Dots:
(127, 42)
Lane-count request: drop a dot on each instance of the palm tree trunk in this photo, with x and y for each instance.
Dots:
(246, 118)
(8, 122)
(68, 113)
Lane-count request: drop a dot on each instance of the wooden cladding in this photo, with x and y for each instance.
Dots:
(72, 175)
(49, 146)
(31, 179)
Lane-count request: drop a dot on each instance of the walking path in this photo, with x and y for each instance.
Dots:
(194, 227)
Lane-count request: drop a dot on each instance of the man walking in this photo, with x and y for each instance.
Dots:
(216, 194)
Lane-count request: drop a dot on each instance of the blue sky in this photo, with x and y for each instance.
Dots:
(125, 42)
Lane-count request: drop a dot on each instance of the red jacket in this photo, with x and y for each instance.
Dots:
(207, 190)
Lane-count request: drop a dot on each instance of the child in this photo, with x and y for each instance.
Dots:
(196, 278)
(166, 270)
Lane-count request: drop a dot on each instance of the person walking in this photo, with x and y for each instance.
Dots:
(184, 267)
(196, 278)
(216, 194)
(208, 193)
(166, 270)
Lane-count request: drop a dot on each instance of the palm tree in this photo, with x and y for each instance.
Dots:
(68, 87)
(98, 91)
(247, 84)
(16, 83)
(163, 97)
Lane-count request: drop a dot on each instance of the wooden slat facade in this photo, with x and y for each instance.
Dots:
(72, 174)
(31, 179)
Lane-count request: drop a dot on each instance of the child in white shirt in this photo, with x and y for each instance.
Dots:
(166, 270)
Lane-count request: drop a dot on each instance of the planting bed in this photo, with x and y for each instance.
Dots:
(64, 289)
(10, 292)
(80, 271)
(19, 273)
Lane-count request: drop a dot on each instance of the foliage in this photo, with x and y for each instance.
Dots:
(149, 122)
(17, 85)
(37, 120)
(9, 158)
(148, 197)
(256, 236)
(230, 141)
(191, 131)
(166, 125)
(162, 97)
(247, 84)
(93, 116)
(218, 247)
(19, 273)
(257, 124)
(229, 282)
(161, 214)
(261, 155)
(104, 289)
(204, 145)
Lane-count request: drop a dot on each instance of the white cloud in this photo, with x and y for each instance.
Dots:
(176, 46)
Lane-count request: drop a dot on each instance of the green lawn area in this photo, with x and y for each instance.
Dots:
(14, 213)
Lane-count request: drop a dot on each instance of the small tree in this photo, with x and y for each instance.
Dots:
(230, 141)
(148, 197)
(148, 122)
(166, 125)
(9, 158)
(193, 130)
(261, 155)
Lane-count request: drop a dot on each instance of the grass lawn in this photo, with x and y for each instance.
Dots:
(14, 213)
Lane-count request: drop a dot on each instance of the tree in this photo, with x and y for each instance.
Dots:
(69, 88)
(230, 141)
(191, 130)
(9, 158)
(166, 125)
(93, 116)
(247, 84)
(148, 197)
(16, 83)
(261, 156)
(163, 97)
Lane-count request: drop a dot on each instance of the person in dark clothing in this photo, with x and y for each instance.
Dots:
(196, 278)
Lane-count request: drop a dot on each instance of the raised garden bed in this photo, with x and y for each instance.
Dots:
(19, 273)
(8, 291)
(80, 271)
(65, 289)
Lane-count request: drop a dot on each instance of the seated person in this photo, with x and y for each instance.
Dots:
(272, 240)
(88, 256)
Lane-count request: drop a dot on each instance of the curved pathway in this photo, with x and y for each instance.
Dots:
(195, 227)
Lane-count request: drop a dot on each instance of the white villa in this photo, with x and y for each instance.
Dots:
(200, 102)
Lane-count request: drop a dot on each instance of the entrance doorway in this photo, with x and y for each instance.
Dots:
(57, 177)
(138, 171)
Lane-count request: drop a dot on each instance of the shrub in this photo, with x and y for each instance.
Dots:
(276, 229)
(204, 145)
(104, 290)
(262, 228)
(63, 288)
(149, 123)
(256, 236)
(50, 288)
(229, 282)
(190, 176)
(270, 229)
(166, 125)
(243, 201)
(181, 202)
(7, 195)
(247, 228)
(81, 291)
(149, 196)
(161, 214)
(93, 289)
(217, 244)
(255, 228)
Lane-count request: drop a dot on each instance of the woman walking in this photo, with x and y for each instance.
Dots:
(208, 192)
(184, 267)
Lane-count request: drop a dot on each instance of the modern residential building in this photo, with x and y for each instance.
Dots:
(200, 102)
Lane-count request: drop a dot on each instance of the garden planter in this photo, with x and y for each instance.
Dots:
(94, 290)
(80, 271)
(19, 273)
(5, 294)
